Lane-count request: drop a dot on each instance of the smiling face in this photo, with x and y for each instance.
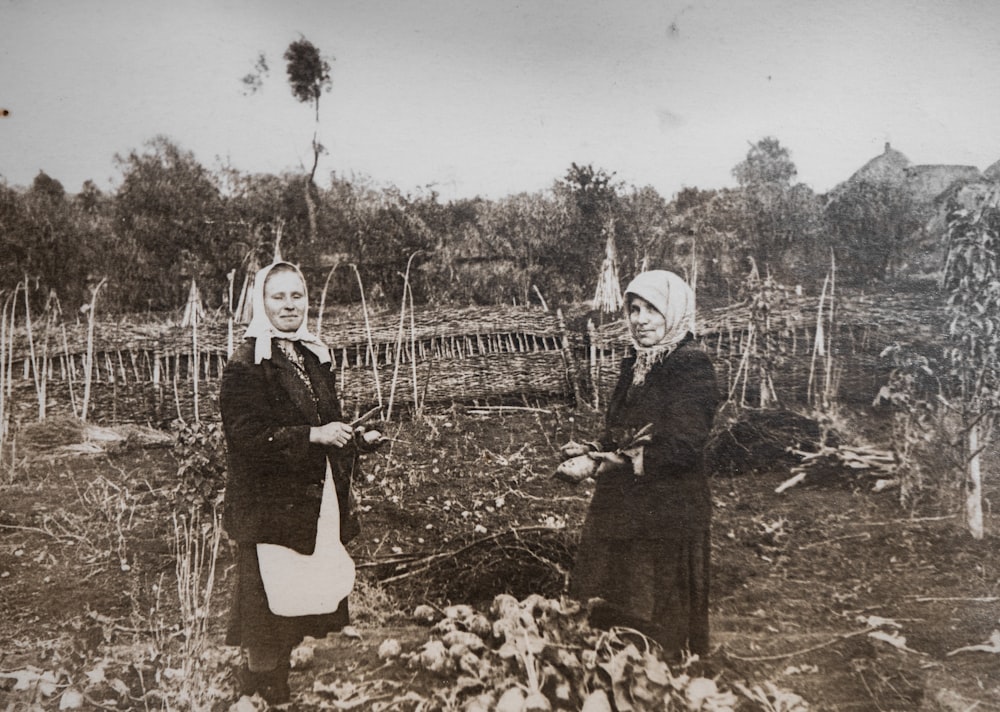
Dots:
(285, 300)
(648, 326)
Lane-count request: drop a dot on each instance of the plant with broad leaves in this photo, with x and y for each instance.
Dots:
(541, 654)
(201, 465)
(972, 278)
(912, 393)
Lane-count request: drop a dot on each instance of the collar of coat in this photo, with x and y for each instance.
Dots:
(316, 404)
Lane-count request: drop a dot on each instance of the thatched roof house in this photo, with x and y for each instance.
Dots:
(928, 182)
(993, 172)
(925, 182)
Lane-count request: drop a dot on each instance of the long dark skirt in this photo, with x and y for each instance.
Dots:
(251, 623)
(657, 586)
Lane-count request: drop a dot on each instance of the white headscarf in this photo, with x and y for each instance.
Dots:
(261, 328)
(670, 295)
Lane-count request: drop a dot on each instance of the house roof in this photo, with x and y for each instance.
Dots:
(929, 182)
(926, 182)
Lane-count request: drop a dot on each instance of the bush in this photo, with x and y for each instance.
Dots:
(200, 451)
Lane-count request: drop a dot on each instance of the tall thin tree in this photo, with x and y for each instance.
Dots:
(972, 279)
(309, 77)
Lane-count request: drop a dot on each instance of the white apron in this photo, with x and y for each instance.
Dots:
(301, 585)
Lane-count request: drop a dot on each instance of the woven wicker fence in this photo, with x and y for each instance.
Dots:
(144, 370)
(860, 328)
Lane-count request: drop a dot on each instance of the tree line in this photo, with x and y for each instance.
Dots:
(170, 219)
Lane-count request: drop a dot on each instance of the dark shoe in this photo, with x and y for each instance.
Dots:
(271, 685)
(247, 681)
(274, 685)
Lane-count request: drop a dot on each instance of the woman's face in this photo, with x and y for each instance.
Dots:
(648, 326)
(285, 300)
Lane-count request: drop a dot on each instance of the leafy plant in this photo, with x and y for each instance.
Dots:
(541, 654)
(972, 278)
(912, 392)
(762, 351)
(201, 465)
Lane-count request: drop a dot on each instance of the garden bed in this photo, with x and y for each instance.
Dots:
(814, 590)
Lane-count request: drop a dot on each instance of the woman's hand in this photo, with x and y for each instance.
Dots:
(608, 462)
(334, 434)
(575, 449)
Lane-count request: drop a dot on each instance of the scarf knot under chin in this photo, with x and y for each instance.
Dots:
(647, 357)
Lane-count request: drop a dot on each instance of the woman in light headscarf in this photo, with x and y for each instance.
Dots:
(644, 550)
(291, 462)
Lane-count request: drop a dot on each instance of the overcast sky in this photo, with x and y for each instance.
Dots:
(499, 97)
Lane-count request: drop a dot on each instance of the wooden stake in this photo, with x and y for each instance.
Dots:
(399, 336)
(595, 374)
(569, 362)
(31, 353)
(121, 366)
(90, 349)
(3, 375)
(974, 486)
(368, 332)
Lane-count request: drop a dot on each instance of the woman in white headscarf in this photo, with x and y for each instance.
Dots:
(287, 505)
(644, 550)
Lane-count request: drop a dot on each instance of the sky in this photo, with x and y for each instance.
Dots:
(492, 98)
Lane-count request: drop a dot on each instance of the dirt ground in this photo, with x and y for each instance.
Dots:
(828, 590)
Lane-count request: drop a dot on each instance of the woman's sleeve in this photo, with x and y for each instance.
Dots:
(248, 418)
(612, 434)
(682, 413)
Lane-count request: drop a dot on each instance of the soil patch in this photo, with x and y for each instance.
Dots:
(828, 590)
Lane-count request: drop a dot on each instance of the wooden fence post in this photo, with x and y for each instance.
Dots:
(569, 361)
(595, 365)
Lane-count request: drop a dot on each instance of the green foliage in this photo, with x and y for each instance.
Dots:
(780, 221)
(870, 223)
(972, 278)
(309, 77)
(171, 219)
(920, 437)
(253, 81)
(47, 187)
(168, 228)
(253, 209)
(592, 198)
(308, 72)
(200, 451)
(705, 229)
(542, 654)
(45, 237)
(767, 162)
(643, 226)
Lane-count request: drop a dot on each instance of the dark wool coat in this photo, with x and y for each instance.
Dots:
(276, 475)
(644, 550)
(679, 398)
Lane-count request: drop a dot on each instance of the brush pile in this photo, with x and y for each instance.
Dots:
(760, 439)
(854, 461)
(525, 559)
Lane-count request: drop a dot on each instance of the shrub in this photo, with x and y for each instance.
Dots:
(200, 451)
